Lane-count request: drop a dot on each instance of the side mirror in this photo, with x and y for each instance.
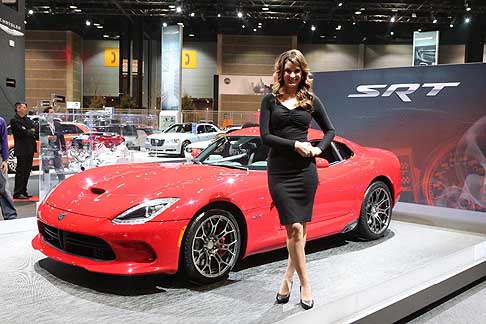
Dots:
(321, 163)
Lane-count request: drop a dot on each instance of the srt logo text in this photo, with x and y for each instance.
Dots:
(401, 89)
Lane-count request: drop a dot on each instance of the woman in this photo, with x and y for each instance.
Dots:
(285, 117)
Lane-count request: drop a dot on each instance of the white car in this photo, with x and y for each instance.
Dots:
(177, 137)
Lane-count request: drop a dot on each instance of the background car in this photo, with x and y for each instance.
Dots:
(109, 140)
(134, 134)
(70, 130)
(177, 137)
(202, 217)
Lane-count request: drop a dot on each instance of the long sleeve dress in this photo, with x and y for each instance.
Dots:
(292, 179)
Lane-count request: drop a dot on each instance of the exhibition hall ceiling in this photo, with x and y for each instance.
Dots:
(315, 20)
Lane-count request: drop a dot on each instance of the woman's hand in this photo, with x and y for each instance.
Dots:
(303, 148)
(315, 151)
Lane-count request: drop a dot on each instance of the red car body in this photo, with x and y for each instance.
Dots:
(86, 204)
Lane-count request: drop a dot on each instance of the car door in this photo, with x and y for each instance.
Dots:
(335, 193)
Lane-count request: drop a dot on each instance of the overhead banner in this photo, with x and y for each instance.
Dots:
(432, 117)
(425, 48)
(245, 84)
(171, 67)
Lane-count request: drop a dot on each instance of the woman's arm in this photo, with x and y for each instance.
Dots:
(322, 119)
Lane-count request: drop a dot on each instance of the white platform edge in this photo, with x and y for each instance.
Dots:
(359, 305)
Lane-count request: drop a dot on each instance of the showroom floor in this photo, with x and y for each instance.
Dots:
(40, 290)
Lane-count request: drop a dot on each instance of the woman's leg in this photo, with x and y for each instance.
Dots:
(289, 273)
(296, 234)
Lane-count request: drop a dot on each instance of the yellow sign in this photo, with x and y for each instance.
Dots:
(112, 57)
(189, 59)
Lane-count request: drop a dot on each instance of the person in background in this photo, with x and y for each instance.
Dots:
(6, 202)
(55, 144)
(285, 116)
(25, 134)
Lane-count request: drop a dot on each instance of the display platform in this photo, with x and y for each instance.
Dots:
(353, 281)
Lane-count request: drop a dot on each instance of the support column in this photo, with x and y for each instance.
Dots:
(474, 44)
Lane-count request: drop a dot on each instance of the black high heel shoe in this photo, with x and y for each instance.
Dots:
(306, 304)
(283, 299)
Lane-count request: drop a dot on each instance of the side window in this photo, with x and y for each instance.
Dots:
(345, 151)
(78, 130)
(210, 129)
(201, 129)
(68, 129)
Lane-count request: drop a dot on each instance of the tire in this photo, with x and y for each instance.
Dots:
(12, 161)
(211, 246)
(183, 147)
(376, 209)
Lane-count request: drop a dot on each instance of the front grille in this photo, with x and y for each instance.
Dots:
(76, 244)
(157, 142)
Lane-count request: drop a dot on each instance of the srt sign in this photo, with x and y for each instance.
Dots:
(401, 89)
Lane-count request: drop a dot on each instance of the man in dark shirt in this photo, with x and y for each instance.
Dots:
(6, 202)
(25, 146)
(55, 144)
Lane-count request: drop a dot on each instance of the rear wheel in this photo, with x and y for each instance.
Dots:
(211, 246)
(376, 211)
(12, 161)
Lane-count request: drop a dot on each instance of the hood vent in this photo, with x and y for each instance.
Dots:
(97, 191)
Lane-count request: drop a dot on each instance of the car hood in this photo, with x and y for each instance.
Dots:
(108, 191)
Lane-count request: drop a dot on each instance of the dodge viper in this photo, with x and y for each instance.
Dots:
(202, 217)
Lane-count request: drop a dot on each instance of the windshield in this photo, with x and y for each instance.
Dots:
(179, 128)
(236, 151)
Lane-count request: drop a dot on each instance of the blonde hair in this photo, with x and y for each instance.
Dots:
(304, 94)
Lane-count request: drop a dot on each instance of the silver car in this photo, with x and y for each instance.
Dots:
(177, 137)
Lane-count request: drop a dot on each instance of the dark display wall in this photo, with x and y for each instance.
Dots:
(433, 118)
(12, 65)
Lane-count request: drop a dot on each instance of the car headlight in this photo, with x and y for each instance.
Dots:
(144, 212)
(147, 140)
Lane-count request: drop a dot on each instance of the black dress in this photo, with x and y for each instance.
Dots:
(292, 179)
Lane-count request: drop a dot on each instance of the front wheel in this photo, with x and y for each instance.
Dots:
(183, 147)
(12, 161)
(376, 211)
(211, 246)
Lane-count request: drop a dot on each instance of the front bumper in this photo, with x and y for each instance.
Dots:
(166, 148)
(130, 244)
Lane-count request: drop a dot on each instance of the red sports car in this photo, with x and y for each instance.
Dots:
(203, 217)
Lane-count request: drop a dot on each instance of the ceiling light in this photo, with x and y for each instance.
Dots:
(219, 15)
(73, 7)
(434, 21)
(392, 19)
(313, 28)
(322, 36)
(340, 4)
(362, 9)
(414, 15)
(99, 27)
(357, 12)
(178, 9)
(259, 23)
(419, 30)
(338, 27)
(265, 8)
(467, 20)
(243, 26)
(164, 24)
(96, 24)
(392, 33)
(25, 22)
(106, 36)
(88, 23)
(191, 35)
(254, 29)
(259, 26)
(31, 12)
(354, 23)
(172, 6)
(468, 8)
(78, 10)
(192, 14)
(451, 25)
(240, 14)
